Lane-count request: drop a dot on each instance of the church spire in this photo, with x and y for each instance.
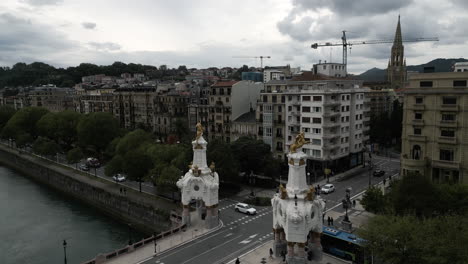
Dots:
(398, 39)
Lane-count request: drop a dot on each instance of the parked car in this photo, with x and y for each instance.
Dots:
(119, 178)
(378, 173)
(84, 167)
(93, 162)
(245, 208)
(328, 188)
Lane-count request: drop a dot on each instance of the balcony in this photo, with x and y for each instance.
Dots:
(418, 107)
(417, 122)
(418, 138)
(449, 107)
(411, 163)
(447, 140)
(331, 114)
(448, 123)
(331, 125)
(331, 135)
(331, 103)
(446, 164)
(330, 147)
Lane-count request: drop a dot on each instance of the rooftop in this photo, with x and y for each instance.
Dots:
(310, 76)
(224, 84)
(248, 117)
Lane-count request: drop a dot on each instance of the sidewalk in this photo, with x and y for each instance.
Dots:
(261, 255)
(146, 252)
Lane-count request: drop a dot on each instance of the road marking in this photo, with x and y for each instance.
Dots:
(230, 234)
(211, 249)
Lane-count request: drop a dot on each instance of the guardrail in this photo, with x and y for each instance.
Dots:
(102, 258)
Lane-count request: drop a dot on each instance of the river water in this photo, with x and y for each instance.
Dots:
(34, 221)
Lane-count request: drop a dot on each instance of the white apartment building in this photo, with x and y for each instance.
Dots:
(460, 67)
(330, 69)
(273, 74)
(331, 113)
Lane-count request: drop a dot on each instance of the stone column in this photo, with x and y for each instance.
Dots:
(186, 214)
(290, 249)
(300, 250)
(278, 244)
(315, 247)
(211, 218)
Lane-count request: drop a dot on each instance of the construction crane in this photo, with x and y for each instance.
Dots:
(255, 57)
(345, 43)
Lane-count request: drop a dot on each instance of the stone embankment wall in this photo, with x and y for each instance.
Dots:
(145, 212)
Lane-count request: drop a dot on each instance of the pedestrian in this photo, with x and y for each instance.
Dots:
(328, 221)
(271, 253)
(237, 261)
(354, 203)
(331, 219)
(390, 177)
(125, 191)
(323, 218)
(283, 254)
(384, 181)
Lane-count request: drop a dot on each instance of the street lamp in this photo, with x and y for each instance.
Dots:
(308, 177)
(155, 243)
(65, 251)
(129, 234)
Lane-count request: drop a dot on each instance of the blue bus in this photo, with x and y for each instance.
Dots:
(344, 245)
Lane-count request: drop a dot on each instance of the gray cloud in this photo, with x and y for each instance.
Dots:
(109, 46)
(352, 8)
(42, 2)
(88, 25)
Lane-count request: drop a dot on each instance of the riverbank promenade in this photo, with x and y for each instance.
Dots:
(196, 230)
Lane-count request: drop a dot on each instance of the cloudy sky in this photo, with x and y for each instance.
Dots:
(204, 33)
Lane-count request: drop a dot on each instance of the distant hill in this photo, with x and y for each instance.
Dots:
(440, 65)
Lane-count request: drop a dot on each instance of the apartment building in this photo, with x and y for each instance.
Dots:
(270, 116)
(435, 132)
(198, 108)
(227, 101)
(331, 111)
(168, 107)
(381, 101)
(134, 107)
(53, 99)
(90, 103)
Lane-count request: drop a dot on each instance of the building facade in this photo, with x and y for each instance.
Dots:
(435, 131)
(134, 107)
(333, 114)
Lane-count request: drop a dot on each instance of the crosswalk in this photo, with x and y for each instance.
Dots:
(247, 219)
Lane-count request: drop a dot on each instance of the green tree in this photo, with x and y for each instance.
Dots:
(168, 178)
(251, 154)
(137, 164)
(74, 156)
(408, 239)
(67, 127)
(114, 166)
(48, 126)
(374, 200)
(97, 130)
(181, 128)
(226, 165)
(44, 146)
(133, 140)
(24, 122)
(6, 112)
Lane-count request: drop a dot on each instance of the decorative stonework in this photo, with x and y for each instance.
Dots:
(200, 183)
(297, 212)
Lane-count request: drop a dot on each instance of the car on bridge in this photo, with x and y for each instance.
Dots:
(378, 173)
(93, 162)
(328, 188)
(84, 167)
(245, 208)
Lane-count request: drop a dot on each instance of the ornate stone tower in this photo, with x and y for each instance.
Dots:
(396, 71)
(200, 183)
(297, 212)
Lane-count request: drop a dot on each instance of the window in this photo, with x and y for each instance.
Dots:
(316, 153)
(317, 109)
(317, 98)
(446, 154)
(425, 84)
(449, 100)
(448, 117)
(280, 109)
(283, 99)
(306, 129)
(417, 131)
(317, 120)
(265, 98)
(213, 92)
(316, 141)
(289, 108)
(227, 99)
(418, 100)
(316, 130)
(306, 109)
(447, 132)
(268, 132)
(305, 119)
(274, 99)
(348, 97)
(418, 116)
(305, 98)
(459, 83)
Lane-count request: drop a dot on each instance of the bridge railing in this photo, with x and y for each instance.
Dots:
(102, 258)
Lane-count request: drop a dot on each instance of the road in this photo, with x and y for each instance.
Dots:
(239, 235)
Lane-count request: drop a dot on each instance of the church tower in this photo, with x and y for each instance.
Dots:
(396, 71)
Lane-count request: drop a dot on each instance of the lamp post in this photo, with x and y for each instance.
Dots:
(129, 233)
(308, 177)
(65, 251)
(155, 243)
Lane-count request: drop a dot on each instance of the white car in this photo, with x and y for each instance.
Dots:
(328, 188)
(119, 178)
(245, 208)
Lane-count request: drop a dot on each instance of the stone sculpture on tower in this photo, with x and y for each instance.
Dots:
(200, 183)
(297, 212)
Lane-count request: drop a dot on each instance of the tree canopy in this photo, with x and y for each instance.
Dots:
(23, 123)
(97, 130)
